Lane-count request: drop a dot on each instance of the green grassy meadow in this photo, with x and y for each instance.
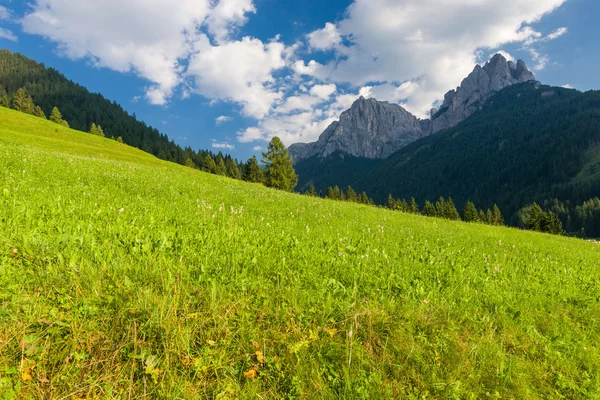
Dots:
(126, 277)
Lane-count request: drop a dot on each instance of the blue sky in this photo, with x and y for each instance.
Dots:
(230, 74)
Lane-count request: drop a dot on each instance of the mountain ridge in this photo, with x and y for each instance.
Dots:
(376, 129)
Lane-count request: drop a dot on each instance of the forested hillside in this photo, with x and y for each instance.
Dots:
(80, 108)
(530, 143)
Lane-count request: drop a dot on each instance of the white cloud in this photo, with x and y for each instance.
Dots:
(241, 72)
(431, 43)
(326, 38)
(227, 15)
(323, 91)
(557, 33)
(5, 13)
(257, 148)
(8, 35)
(222, 119)
(151, 38)
(222, 145)
(568, 86)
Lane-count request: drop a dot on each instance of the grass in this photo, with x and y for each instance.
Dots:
(126, 277)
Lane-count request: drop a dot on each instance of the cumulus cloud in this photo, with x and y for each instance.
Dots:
(8, 35)
(430, 44)
(326, 38)
(240, 71)
(5, 13)
(156, 39)
(222, 119)
(222, 145)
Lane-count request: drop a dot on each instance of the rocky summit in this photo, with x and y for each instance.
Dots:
(370, 128)
(475, 89)
(374, 129)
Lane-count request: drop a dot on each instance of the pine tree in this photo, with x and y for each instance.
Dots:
(440, 207)
(233, 171)
(189, 163)
(312, 191)
(351, 195)
(482, 216)
(489, 217)
(364, 199)
(279, 170)
(94, 129)
(23, 102)
(391, 203)
(429, 210)
(414, 207)
(469, 213)
(56, 116)
(210, 165)
(221, 168)
(498, 219)
(450, 211)
(252, 171)
(330, 194)
(120, 139)
(38, 112)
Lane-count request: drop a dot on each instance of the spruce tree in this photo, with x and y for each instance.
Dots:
(189, 163)
(233, 171)
(22, 102)
(38, 112)
(469, 213)
(56, 116)
(94, 129)
(221, 168)
(498, 219)
(391, 203)
(429, 209)
(312, 191)
(489, 217)
(450, 211)
(209, 165)
(330, 194)
(414, 207)
(252, 171)
(364, 199)
(279, 169)
(351, 195)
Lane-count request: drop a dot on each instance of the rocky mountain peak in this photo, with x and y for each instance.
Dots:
(375, 129)
(482, 83)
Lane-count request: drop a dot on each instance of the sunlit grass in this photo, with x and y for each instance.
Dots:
(123, 276)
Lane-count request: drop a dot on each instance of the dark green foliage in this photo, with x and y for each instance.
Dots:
(334, 193)
(221, 168)
(414, 206)
(38, 112)
(312, 191)
(233, 169)
(189, 163)
(429, 209)
(209, 165)
(22, 102)
(279, 171)
(534, 218)
(252, 171)
(337, 169)
(351, 195)
(521, 147)
(469, 213)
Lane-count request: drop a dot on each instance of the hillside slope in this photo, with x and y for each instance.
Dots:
(124, 276)
(529, 143)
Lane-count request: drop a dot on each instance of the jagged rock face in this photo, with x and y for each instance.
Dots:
(374, 129)
(474, 90)
(370, 129)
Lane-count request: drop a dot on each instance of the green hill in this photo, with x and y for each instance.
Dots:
(123, 276)
(80, 108)
(527, 144)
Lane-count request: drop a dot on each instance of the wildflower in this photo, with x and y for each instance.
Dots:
(121, 211)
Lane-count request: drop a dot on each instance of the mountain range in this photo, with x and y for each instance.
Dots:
(375, 129)
(500, 138)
